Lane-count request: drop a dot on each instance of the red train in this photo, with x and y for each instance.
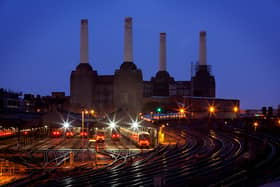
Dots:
(140, 138)
(115, 135)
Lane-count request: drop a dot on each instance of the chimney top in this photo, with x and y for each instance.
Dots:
(128, 19)
(202, 33)
(84, 21)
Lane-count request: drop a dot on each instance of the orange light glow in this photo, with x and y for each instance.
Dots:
(182, 110)
(235, 109)
(211, 109)
(256, 124)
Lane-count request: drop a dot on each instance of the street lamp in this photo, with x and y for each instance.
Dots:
(255, 124)
(211, 109)
(211, 114)
(112, 124)
(135, 124)
(235, 109)
(182, 110)
(82, 130)
(66, 124)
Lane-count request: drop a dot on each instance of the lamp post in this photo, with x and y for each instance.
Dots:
(182, 113)
(82, 130)
(211, 111)
(92, 112)
(235, 110)
(85, 112)
(86, 133)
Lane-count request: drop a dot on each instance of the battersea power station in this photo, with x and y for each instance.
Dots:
(127, 91)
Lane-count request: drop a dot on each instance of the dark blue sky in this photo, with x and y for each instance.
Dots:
(39, 42)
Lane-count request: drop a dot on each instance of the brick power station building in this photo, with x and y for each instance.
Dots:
(126, 90)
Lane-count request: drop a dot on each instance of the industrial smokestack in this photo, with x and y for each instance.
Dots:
(202, 48)
(128, 52)
(162, 52)
(84, 41)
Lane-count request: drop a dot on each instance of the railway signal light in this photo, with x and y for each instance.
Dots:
(159, 109)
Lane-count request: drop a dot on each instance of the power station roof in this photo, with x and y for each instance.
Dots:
(105, 78)
(128, 66)
(84, 67)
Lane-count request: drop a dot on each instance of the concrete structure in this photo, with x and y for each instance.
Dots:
(82, 87)
(195, 107)
(163, 84)
(203, 83)
(128, 40)
(162, 81)
(84, 41)
(128, 87)
(162, 52)
(202, 48)
(127, 91)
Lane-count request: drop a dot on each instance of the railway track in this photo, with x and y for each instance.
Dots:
(176, 164)
(207, 158)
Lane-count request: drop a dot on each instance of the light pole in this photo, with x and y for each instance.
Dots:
(182, 113)
(82, 130)
(85, 112)
(235, 110)
(211, 111)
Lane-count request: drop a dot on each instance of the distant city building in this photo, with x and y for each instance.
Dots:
(9, 101)
(126, 89)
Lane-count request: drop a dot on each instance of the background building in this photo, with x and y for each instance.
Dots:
(126, 90)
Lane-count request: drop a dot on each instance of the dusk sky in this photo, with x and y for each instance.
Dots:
(39, 42)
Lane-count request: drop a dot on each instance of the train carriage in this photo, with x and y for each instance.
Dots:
(140, 138)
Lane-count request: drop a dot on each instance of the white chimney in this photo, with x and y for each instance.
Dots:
(128, 51)
(162, 52)
(84, 41)
(202, 48)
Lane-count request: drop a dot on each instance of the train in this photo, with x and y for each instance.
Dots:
(6, 133)
(140, 138)
(115, 135)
